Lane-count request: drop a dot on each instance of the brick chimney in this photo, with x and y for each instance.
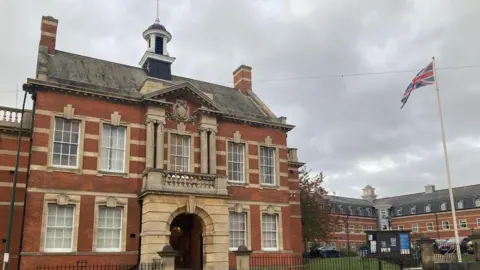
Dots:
(242, 78)
(48, 35)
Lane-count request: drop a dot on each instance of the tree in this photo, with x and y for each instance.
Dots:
(318, 223)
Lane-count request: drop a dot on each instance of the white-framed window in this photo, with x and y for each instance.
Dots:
(446, 225)
(462, 223)
(267, 165)
(341, 227)
(360, 211)
(333, 244)
(344, 245)
(109, 229)
(415, 227)
(443, 206)
(352, 228)
(180, 153)
(460, 204)
(429, 226)
(340, 207)
(369, 212)
(66, 140)
(59, 228)
(413, 210)
(370, 227)
(350, 210)
(383, 213)
(237, 230)
(399, 211)
(236, 162)
(477, 202)
(478, 221)
(353, 246)
(360, 228)
(113, 148)
(428, 208)
(401, 227)
(270, 231)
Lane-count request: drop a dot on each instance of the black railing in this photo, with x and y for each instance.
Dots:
(83, 265)
(334, 261)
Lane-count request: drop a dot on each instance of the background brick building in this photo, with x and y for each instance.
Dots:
(125, 160)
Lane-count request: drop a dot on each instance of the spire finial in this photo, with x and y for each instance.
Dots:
(157, 20)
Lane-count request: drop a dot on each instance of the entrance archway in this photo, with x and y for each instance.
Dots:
(186, 237)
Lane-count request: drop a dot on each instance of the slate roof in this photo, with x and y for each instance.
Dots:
(114, 78)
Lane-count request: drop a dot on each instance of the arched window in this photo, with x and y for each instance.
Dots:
(350, 210)
(360, 211)
(399, 211)
(340, 208)
(369, 212)
(477, 202)
(460, 204)
(443, 206)
(428, 208)
(413, 210)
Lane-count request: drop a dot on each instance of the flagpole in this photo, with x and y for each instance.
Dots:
(447, 166)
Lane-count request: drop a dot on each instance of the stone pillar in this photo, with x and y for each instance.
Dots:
(426, 244)
(242, 256)
(203, 151)
(213, 152)
(150, 141)
(168, 257)
(475, 238)
(160, 146)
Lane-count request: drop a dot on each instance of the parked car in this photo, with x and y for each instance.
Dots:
(450, 245)
(325, 252)
(437, 244)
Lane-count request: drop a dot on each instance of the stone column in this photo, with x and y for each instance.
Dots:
(160, 146)
(475, 238)
(426, 244)
(203, 151)
(213, 152)
(242, 256)
(168, 257)
(150, 142)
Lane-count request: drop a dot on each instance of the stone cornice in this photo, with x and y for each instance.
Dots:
(33, 85)
(295, 164)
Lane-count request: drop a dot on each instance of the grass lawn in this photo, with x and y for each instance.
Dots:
(348, 263)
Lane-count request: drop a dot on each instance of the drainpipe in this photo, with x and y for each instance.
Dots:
(34, 98)
(14, 190)
(140, 233)
(436, 223)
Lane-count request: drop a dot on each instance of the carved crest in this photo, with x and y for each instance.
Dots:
(271, 210)
(111, 202)
(62, 199)
(191, 205)
(181, 112)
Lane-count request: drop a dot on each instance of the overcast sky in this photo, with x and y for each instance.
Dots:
(349, 127)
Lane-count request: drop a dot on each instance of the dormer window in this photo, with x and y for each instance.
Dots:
(413, 210)
(369, 212)
(360, 211)
(350, 210)
(443, 206)
(428, 208)
(399, 211)
(460, 204)
(340, 208)
(477, 202)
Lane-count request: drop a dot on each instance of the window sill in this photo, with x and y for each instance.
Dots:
(64, 169)
(270, 249)
(237, 184)
(108, 173)
(267, 186)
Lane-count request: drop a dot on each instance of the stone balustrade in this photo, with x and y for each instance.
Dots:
(157, 180)
(11, 118)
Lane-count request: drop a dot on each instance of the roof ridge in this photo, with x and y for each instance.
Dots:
(98, 59)
(443, 189)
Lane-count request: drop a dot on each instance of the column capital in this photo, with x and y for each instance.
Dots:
(208, 129)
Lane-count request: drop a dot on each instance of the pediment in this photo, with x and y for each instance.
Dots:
(183, 90)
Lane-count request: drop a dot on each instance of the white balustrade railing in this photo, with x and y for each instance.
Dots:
(12, 117)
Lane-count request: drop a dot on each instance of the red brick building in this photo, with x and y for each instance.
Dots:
(125, 160)
(425, 213)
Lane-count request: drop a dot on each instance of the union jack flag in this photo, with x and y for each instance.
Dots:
(424, 77)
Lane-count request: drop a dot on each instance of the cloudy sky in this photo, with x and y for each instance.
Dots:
(350, 127)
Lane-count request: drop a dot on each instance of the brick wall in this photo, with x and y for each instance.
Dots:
(89, 183)
(8, 151)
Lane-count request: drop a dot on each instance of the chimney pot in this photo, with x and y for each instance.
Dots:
(242, 78)
(48, 36)
(429, 188)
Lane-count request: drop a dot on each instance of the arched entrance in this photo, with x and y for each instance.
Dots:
(186, 237)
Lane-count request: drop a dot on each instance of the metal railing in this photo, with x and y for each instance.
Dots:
(84, 265)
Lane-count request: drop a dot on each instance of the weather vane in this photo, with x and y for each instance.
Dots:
(157, 20)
